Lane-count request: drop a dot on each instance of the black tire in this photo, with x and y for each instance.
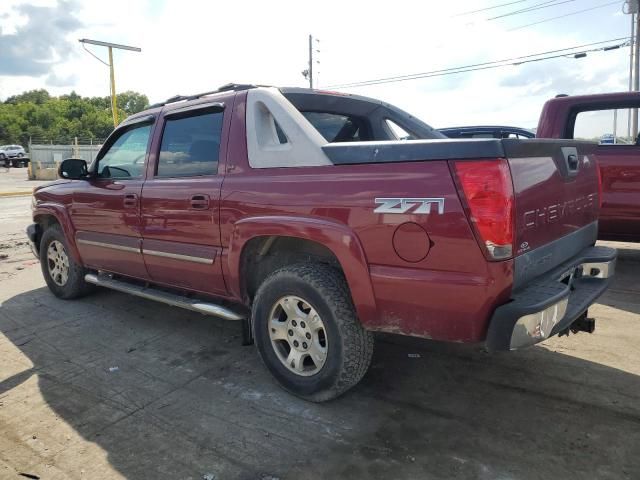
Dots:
(15, 163)
(74, 286)
(349, 345)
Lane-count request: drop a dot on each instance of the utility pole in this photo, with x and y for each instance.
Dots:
(310, 61)
(631, 56)
(110, 46)
(308, 72)
(631, 7)
(636, 76)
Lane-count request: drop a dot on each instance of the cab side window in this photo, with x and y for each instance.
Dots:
(125, 157)
(190, 145)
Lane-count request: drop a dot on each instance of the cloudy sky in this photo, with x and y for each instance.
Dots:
(191, 46)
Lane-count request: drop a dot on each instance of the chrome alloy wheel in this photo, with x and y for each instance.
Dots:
(298, 336)
(58, 263)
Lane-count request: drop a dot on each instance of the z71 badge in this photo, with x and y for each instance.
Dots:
(408, 205)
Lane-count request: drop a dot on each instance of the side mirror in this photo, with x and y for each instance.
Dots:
(73, 169)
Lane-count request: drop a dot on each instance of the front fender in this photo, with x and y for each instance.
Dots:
(60, 213)
(338, 238)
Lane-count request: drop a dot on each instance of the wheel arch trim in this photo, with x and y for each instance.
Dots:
(338, 238)
(60, 214)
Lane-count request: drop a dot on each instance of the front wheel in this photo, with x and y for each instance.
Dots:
(307, 331)
(64, 277)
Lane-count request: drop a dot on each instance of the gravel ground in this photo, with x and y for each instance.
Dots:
(112, 387)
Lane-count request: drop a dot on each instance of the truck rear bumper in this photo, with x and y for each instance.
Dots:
(552, 302)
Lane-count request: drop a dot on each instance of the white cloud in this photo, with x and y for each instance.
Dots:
(191, 46)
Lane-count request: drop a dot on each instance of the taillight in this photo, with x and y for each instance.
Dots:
(488, 190)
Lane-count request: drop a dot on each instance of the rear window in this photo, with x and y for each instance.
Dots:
(607, 127)
(399, 132)
(478, 135)
(339, 128)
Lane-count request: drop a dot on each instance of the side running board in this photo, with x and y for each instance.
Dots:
(172, 299)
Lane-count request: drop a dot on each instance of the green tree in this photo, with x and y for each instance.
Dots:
(132, 102)
(32, 96)
(37, 115)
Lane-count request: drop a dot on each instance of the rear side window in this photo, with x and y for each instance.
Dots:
(339, 128)
(190, 145)
(607, 127)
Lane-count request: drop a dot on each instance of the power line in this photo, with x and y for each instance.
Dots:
(487, 65)
(565, 15)
(538, 6)
(566, 49)
(488, 8)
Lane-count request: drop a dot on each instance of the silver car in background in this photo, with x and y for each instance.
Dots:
(13, 155)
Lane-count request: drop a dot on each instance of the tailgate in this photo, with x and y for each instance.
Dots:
(556, 202)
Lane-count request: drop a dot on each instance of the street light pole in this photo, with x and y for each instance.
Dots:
(114, 99)
(111, 46)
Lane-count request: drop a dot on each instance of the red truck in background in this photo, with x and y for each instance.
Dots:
(604, 118)
(302, 214)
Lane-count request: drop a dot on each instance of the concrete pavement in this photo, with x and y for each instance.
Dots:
(111, 387)
(15, 182)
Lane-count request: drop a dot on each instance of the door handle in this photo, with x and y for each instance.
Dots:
(130, 200)
(200, 202)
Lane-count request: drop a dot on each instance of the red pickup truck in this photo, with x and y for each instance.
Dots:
(301, 214)
(606, 119)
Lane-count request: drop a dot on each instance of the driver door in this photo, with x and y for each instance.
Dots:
(106, 209)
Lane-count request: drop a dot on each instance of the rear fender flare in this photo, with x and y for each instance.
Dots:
(338, 238)
(60, 213)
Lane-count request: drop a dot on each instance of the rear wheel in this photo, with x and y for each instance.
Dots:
(308, 334)
(64, 277)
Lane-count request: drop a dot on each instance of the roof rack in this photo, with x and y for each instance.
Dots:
(229, 87)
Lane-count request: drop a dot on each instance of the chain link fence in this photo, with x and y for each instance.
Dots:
(66, 141)
(45, 158)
